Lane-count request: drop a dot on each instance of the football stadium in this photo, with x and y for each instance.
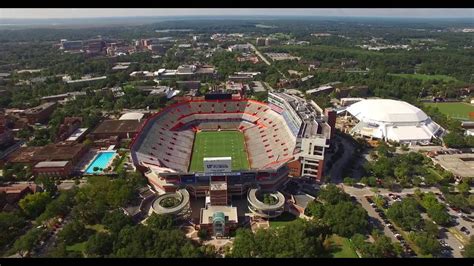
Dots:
(220, 148)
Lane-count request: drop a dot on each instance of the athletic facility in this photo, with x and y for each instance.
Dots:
(393, 120)
(173, 144)
(219, 144)
(216, 148)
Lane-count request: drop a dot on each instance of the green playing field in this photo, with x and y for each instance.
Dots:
(219, 144)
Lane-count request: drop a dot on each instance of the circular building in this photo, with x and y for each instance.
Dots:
(176, 204)
(393, 120)
(273, 208)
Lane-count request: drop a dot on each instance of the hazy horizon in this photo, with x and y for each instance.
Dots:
(78, 13)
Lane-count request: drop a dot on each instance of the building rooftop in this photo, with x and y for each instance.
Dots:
(218, 185)
(229, 212)
(39, 108)
(131, 116)
(48, 164)
(77, 134)
(50, 152)
(461, 165)
(118, 126)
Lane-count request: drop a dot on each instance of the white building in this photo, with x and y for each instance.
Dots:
(393, 120)
(239, 48)
(309, 124)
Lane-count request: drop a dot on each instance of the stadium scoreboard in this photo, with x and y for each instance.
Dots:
(217, 164)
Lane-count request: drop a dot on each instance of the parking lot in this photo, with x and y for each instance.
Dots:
(386, 225)
(451, 246)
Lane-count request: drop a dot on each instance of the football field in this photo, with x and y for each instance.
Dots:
(219, 144)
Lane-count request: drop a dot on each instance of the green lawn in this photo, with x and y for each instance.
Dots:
(120, 166)
(78, 247)
(97, 227)
(342, 247)
(443, 78)
(219, 144)
(458, 110)
(282, 220)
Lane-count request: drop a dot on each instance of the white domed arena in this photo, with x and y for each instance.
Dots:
(393, 120)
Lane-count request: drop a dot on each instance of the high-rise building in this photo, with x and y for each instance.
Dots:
(260, 41)
(312, 129)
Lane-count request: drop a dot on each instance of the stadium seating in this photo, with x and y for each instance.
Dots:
(167, 139)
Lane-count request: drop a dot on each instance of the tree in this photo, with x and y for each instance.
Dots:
(60, 206)
(99, 244)
(405, 214)
(364, 180)
(346, 219)
(34, 204)
(73, 232)
(454, 140)
(464, 187)
(331, 194)
(47, 183)
(160, 222)
(60, 251)
(116, 220)
(427, 243)
(144, 242)
(202, 234)
(315, 209)
(383, 247)
(301, 238)
(468, 251)
(349, 181)
(431, 228)
(28, 241)
(10, 227)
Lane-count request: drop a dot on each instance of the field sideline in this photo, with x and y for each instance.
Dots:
(219, 144)
(458, 110)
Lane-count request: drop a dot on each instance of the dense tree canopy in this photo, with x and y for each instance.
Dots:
(300, 239)
(34, 204)
(10, 227)
(405, 214)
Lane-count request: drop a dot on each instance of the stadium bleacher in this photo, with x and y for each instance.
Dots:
(167, 139)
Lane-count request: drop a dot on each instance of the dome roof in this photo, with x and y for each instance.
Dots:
(386, 110)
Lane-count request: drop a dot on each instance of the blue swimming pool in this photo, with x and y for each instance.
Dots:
(101, 161)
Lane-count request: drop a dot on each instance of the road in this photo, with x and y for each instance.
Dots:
(454, 243)
(448, 237)
(375, 218)
(68, 184)
(259, 54)
(64, 185)
(337, 169)
(366, 191)
(53, 238)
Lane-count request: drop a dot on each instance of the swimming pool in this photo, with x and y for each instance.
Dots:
(101, 161)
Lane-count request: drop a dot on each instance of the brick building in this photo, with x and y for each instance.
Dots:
(40, 114)
(52, 152)
(124, 129)
(53, 169)
(69, 125)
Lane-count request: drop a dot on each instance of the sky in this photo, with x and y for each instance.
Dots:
(34, 13)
